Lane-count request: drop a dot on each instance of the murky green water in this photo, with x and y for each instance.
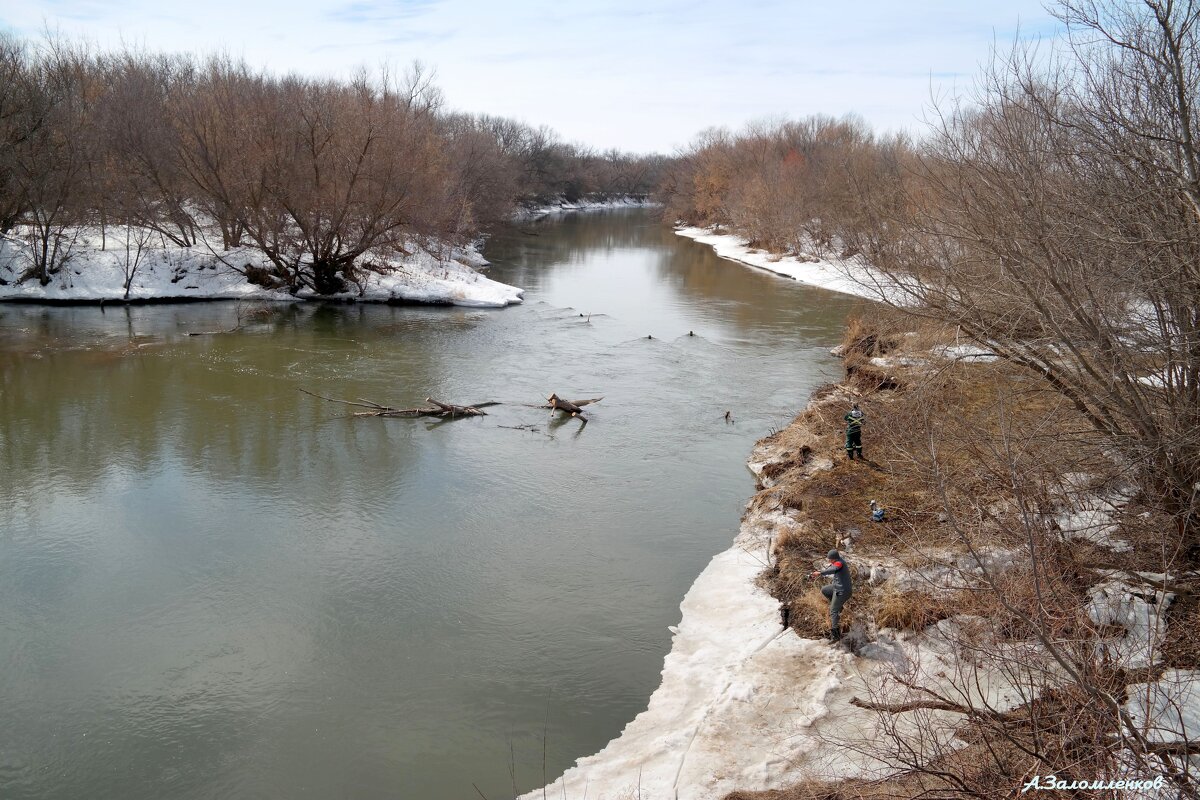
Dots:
(215, 586)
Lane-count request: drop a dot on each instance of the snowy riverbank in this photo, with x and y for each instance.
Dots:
(566, 206)
(707, 728)
(745, 704)
(853, 278)
(98, 269)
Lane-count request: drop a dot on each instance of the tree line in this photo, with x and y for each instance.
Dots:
(314, 174)
(789, 186)
(1052, 217)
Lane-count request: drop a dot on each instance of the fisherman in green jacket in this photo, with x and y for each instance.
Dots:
(854, 422)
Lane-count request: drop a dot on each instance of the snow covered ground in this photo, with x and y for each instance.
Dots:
(744, 704)
(1093, 515)
(427, 274)
(1167, 710)
(1138, 603)
(702, 730)
(565, 206)
(854, 278)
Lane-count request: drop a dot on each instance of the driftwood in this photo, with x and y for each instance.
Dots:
(572, 407)
(435, 409)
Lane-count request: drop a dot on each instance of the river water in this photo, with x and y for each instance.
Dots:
(215, 586)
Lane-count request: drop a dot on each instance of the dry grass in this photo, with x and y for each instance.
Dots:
(808, 612)
(1182, 646)
(953, 450)
(964, 413)
(909, 611)
(875, 337)
(801, 541)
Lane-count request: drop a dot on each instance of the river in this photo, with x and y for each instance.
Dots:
(215, 586)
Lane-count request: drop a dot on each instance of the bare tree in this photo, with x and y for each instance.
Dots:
(326, 179)
(1029, 683)
(24, 106)
(145, 184)
(1056, 221)
(788, 186)
(53, 161)
(136, 240)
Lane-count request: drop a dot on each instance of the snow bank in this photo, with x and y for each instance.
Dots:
(958, 352)
(965, 352)
(1093, 516)
(163, 271)
(946, 571)
(744, 704)
(565, 206)
(1167, 710)
(1138, 606)
(704, 731)
(854, 277)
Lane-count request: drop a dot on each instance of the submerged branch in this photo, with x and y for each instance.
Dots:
(436, 409)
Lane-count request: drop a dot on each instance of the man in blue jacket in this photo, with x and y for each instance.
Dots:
(838, 591)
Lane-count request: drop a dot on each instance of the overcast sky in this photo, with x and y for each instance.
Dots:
(638, 75)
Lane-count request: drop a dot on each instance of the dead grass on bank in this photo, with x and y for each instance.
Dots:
(953, 454)
(1181, 649)
(933, 437)
(910, 611)
(884, 606)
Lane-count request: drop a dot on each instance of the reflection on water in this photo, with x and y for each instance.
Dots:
(218, 586)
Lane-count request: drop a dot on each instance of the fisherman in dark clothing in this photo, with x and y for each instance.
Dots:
(854, 422)
(838, 591)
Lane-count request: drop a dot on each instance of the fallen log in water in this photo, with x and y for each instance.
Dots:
(436, 409)
(572, 407)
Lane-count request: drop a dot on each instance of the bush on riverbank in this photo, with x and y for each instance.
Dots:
(1011, 535)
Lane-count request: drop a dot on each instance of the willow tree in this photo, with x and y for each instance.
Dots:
(317, 175)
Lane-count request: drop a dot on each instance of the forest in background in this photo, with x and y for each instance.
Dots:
(315, 174)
